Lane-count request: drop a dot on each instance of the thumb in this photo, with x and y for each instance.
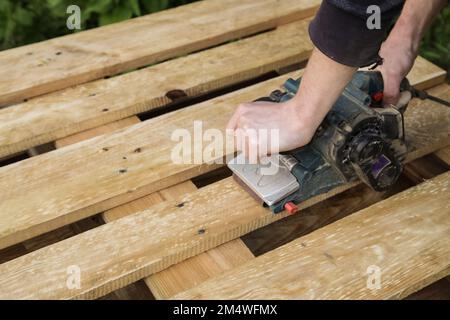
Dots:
(391, 88)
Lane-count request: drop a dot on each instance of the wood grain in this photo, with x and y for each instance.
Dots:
(56, 115)
(95, 132)
(444, 155)
(69, 184)
(84, 56)
(407, 236)
(323, 213)
(144, 243)
(186, 274)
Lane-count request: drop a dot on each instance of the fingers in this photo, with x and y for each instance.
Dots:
(391, 87)
(234, 120)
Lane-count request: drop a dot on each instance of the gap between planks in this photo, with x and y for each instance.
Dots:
(186, 274)
(190, 272)
(72, 183)
(193, 271)
(108, 50)
(406, 238)
(58, 114)
(152, 240)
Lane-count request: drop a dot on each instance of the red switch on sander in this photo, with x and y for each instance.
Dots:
(291, 207)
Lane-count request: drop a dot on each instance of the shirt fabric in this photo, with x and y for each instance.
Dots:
(340, 30)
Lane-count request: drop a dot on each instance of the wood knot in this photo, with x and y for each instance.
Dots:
(176, 94)
(181, 205)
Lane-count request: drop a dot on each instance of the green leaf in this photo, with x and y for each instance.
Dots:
(134, 4)
(23, 16)
(118, 14)
(99, 6)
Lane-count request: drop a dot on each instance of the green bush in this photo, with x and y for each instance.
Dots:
(27, 21)
(436, 42)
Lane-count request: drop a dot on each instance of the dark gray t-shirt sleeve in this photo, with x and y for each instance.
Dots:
(340, 30)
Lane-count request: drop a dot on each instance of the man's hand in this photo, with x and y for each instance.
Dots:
(297, 119)
(398, 61)
(401, 47)
(257, 121)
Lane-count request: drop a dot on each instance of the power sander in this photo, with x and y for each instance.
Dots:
(358, 139)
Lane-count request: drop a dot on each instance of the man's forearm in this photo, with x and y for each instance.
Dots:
(321, 85)
(402, 45)
(416, 16)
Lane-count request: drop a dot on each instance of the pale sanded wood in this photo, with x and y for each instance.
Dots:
(407, 236)
(145, 243)
(94, 132)
(66, 185)
(191, 272)
(429, 74)
(186, 274)
(59, 114)
(444, 155)
(62, 62)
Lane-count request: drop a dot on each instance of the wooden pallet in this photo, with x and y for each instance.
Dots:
(109, 200)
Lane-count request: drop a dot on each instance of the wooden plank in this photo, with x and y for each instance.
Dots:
(190, 272)
(93, 54)
(186, 274)
(444, 155)
(323, 213)
(72, 183)
(145, 243)
(424, 168)
(193, 271)
(91, 133)
(407, 236)
(91, 105)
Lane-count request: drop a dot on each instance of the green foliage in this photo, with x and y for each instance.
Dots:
(27, 21)
(436, 42)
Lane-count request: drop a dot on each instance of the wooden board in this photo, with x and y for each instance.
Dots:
(406, 236)
(186, 274)
(93, 54)
(444, 155)
(191, 272)
(62, 113)
(424, 168)
(59, 114)
(75, 109)
(71, 183)
(145, 243)
(95, 132)
(323, 213)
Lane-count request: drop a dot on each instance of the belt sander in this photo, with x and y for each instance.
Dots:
(358, 140)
